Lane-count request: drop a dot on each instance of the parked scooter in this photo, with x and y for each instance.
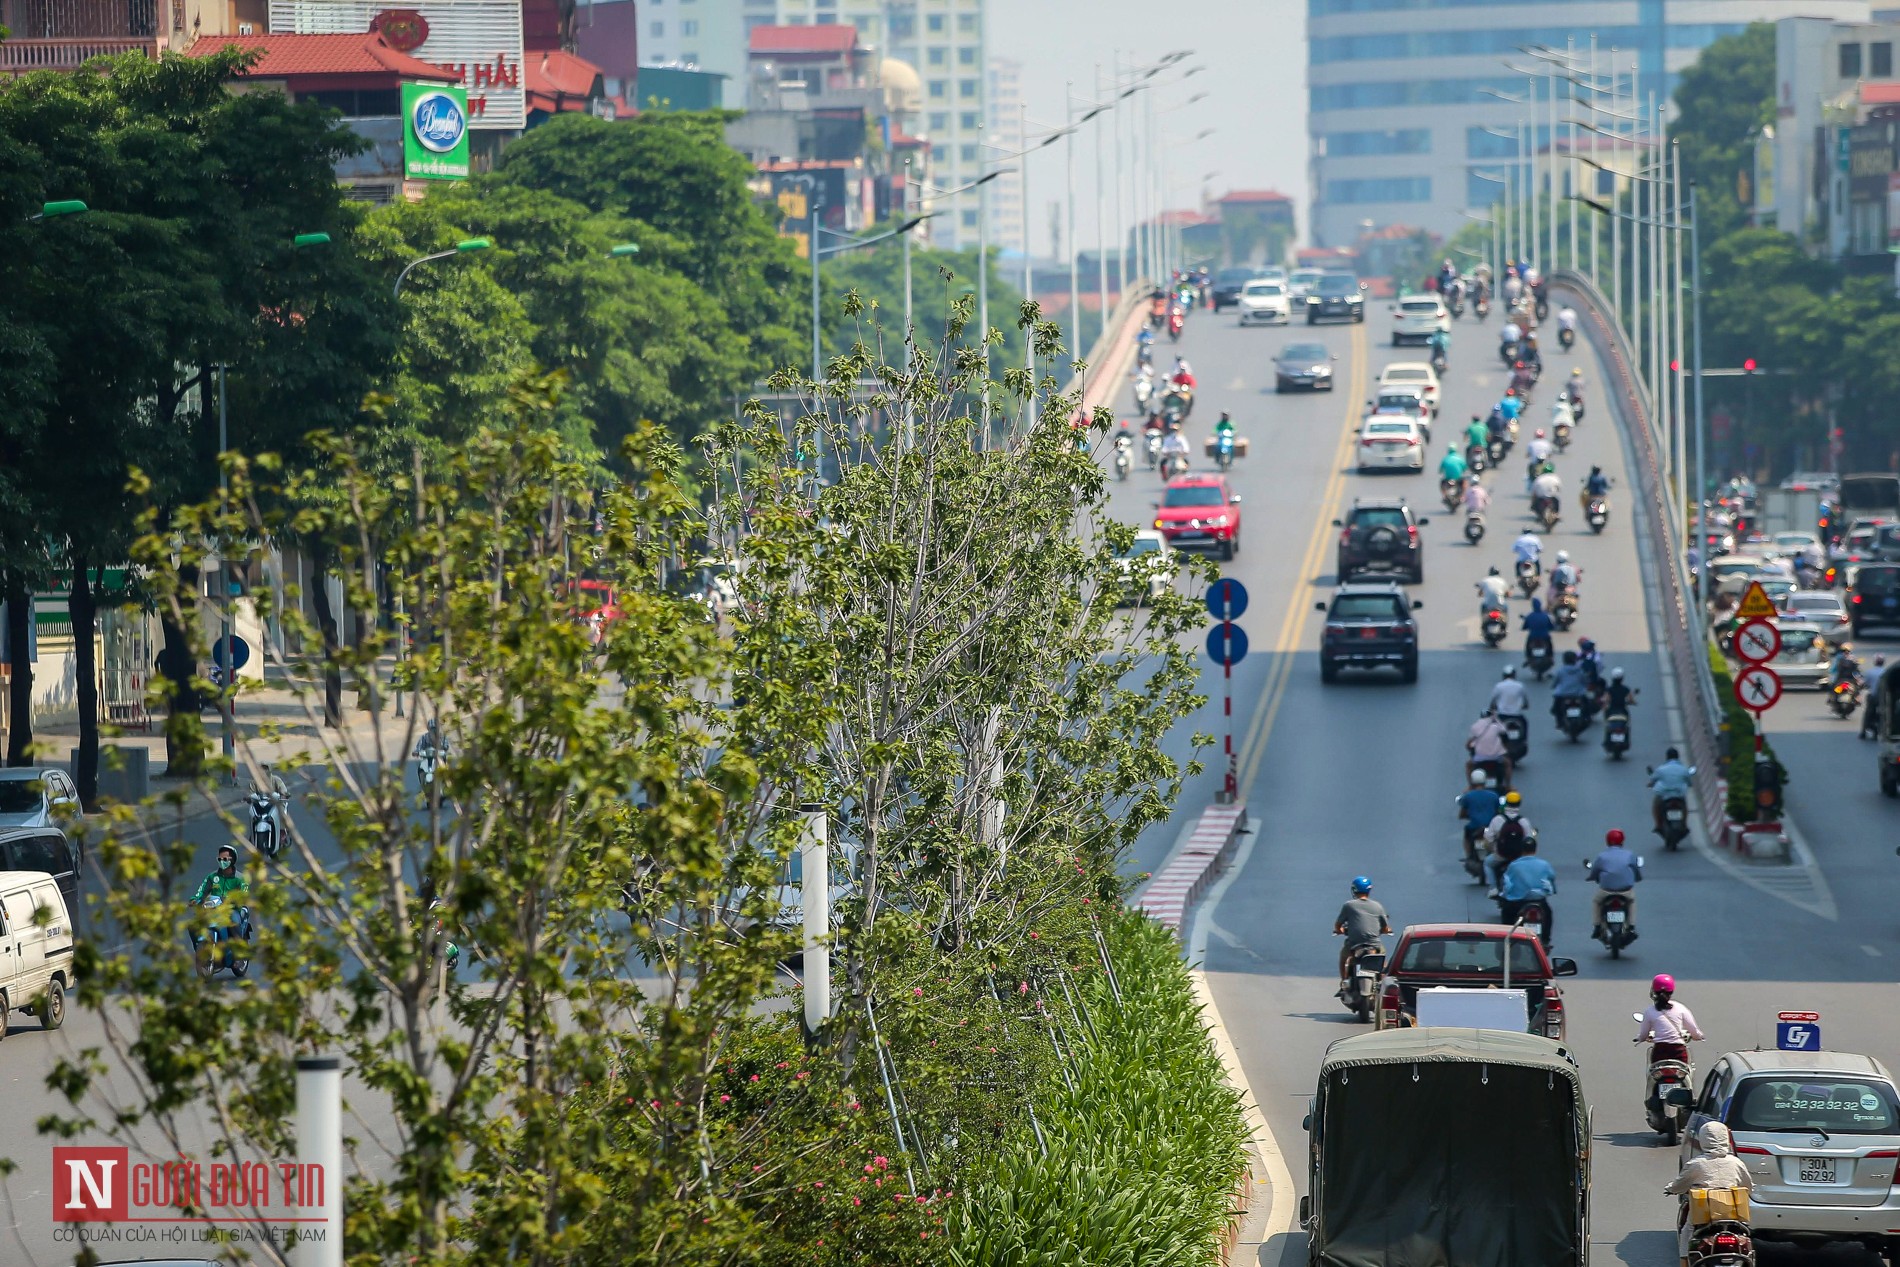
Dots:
(1668, 1088)
(1360, 989)
(264, 837)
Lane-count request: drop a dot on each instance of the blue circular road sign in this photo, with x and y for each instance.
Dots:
(1227, 644)
(240, 651)
(1226, 599)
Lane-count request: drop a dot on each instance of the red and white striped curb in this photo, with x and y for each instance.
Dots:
(1184, 877)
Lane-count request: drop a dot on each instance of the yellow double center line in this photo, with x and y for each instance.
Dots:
(1255, 743)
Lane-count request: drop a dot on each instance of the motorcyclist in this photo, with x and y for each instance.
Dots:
(1510, 335)
(1538, 450)
(1567, 320)
(1508, 697)
(1477, 432)
(1533, 359)
(1362, 921)
(1843, 667)
(1523, 378)
(1477, 500)
(1615, 870)
(1452, 466)
(1440, 344)
(1224, 425)
(1174, 444)
(1506, 837)
(1485, 743)
(1870, 717)
(1157, 308)
(1592, 661)
(1714, 1166)
(1547, 489)
(1145, 348)
(1618, 696)
(1527, 879)
(225, 880)
(1668, 781)
(1182, 375)
(1529, 548)
(1667, 1024)
(1595, 484)
(1566, 575)
(1478, 804)
(1511, 405)
(1570, 685)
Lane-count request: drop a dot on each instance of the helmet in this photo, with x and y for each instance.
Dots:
(1510, 670)
(1518, 366)
(1662, 983)
(1584, 643)
(1540, 433)
(1479, 778)
(1361, 885)
(1494, 571)
(1563, 556)
(1510, 391)
(1576, 372)
(1616, 675)
(224, 850)
(1613, 837)
(1513, 798)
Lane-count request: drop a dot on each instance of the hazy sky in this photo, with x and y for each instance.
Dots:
(1255, 54)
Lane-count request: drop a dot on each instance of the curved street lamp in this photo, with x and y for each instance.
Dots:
(464, 247)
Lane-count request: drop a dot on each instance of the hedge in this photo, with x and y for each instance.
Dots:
(1738, 730)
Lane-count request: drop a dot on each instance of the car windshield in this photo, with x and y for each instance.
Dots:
(1841, 1106)
(1389, 429)
(1367, 607)
(1407, 374)
(1420, 305)
(1815, 603)
(1142, 545)
(1305, 353)
(1473, 955)
(1794, 540)
(1878, 581)
(1259, 289)
(1305, 276)
(1193, 495)
(1379, 519)
(1799, 642)
(1233, 276)
(1397, 402)
(19, 796)
(1338, 284)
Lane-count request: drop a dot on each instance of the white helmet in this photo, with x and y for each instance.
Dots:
(1510, 670)
(1563, 556)
(1616, 675)
(1479, 778)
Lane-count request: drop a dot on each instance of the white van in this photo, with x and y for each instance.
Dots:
(36, 955)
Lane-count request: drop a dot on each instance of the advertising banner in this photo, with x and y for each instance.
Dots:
(434, 132)
(480, 40)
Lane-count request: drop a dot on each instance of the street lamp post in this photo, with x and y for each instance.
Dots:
(464, 247)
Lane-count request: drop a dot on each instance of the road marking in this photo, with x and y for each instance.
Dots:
(1281, 1199)
(1872, 950)
(1253, 747)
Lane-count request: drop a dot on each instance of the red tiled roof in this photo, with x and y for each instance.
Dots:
(288, 56)
(1254, 195)
(832, 38)
(555, 73)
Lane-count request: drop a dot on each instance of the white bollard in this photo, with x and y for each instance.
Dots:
(320, 1159)
(815, 898)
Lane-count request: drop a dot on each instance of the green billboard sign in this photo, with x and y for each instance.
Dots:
(434, 132)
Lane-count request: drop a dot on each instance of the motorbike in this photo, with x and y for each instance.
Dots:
(1668, 1088)
(1474, 527)
(1597, 513)
(1563, 611)
(1567, 338)
(1224, 451)
(1517, 736)
(1539, 658)
(1144, 354)
(1844, 698)
(1493, 626)
(1360, 989)
(1528, 576)
(1481, 308)
(1542, 309)
(222, 947)
(1439, 362)
(1494, 451)
(1124, 448)
(1451, 492)
(1175, 322)
(1144, 392)
(1534, 918)
(1615, 932)
(1151, 441)
(1576, 409)
(1722, 1243)
(1548, 515)
(264, 836)
(1573, 717)
(1675, 819)
(1616, 735)
(1474, 856)
(425, 768)
(1475, 458)
(1507, 353)
(1560, 436)
(1173, 465)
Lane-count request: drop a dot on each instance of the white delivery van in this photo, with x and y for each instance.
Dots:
(36, 952)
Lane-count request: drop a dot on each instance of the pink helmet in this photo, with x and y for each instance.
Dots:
(1663, 983)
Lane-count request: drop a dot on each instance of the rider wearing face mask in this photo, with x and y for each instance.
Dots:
(1716, 1167)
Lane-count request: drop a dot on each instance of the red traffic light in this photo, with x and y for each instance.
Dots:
(1674, 365)
(1748, 366)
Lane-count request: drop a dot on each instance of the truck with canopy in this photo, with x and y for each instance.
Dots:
(1438, 1147)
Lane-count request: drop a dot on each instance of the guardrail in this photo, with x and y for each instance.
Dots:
(1688, 656)
(18, 56)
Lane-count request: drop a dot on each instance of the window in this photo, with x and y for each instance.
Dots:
(1366, 607)
(903, 26)
(1606, 183)
(939, 122)
(1359, 144)
(1380, 189)
(966, 56)
(657, 30)
(1850, 61)
(934, 24)
(966, 22)
(939, 88)
(826, 19)
(1482, 190)
(1411, 92)
(1795, 1102)
(968, 120)
(967, 153)
(689, 27)
(969, 219)
(966, 88)
(1880, 60)
(938, 56)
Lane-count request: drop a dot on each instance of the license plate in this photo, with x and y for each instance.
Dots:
(1368, 633)
(1675, 815)
(1573, 712)
(1190, 536)
(1616, 917)
(1817, 1169)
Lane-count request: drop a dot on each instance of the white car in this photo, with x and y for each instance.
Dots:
(1391, 443)
(1300, 284)
(1403, 402)
(1416, 318)
(1418, 374)
(1148, 565)
(36, 796)
(1265, 303)
(1822, 609)
(1804, 655)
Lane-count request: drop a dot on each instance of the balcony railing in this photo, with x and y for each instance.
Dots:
(17, 57)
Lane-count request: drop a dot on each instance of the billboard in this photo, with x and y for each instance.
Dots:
(478, 39)
(434, 132)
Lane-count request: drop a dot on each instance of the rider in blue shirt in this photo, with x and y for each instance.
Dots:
(1537, 625)
(1528, 877)
(1511, 406)
(1452, 465)
(1479, 804)
(1669, 781)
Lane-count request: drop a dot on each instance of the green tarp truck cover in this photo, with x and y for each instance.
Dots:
(1449, 1148)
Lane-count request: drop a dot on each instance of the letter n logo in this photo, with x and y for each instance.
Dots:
(89, 1185)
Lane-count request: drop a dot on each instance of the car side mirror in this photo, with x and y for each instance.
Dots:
(1320, 607)
(1234, 500)
(1338, 524)
(1567, 968)
(1422, 521)
(1417, 603)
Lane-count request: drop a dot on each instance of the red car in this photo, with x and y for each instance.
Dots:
(1468, 955)
(1199, 512)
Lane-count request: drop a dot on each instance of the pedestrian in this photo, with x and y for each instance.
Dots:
(1870, 716)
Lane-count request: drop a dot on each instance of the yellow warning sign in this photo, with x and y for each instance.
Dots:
(1755, 603)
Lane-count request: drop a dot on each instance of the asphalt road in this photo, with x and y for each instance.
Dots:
(1359, 778)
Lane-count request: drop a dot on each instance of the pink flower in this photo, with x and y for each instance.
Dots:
(1022, 987)
(755, 1077)
(780, 1065)
(725, 1099)
(916, 992)
(855, 1106)
(1035, 937)
(818, 1183)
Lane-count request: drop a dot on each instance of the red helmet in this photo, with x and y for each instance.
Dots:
(1518, 366)
(1662, 983)
(1540, 433)
(1510, 391)
(1613, 837)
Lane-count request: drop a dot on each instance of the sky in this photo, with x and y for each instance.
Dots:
(1254, 52)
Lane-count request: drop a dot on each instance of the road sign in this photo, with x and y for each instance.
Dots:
(1227, 644)
(1798, 1016)
(1757, 642)
(1226, 599)
(1755, 603)
(1798, 1036)
(240, 651)
(1757, 688)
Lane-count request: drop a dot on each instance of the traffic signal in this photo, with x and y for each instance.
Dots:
(1674, 365)
(1748, 366)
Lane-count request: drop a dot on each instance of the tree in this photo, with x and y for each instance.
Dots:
(1723, 100)
(939, 279)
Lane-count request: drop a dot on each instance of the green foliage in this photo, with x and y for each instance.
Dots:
(1738, 729)
(1136, 1156)
(1723, 99)
(938, 280)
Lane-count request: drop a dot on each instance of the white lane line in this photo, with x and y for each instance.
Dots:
(1872, 950)
(1280, 1196)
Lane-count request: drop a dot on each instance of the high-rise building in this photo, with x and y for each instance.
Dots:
(1403, 123)
(700, 34)
(1009, 219)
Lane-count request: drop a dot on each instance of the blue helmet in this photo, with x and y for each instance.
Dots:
(1361, 886)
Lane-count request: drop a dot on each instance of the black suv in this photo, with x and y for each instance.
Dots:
(1229, 282)
(1380, 536)
(1368, 626)
(1336, 295)
(1874, 598)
